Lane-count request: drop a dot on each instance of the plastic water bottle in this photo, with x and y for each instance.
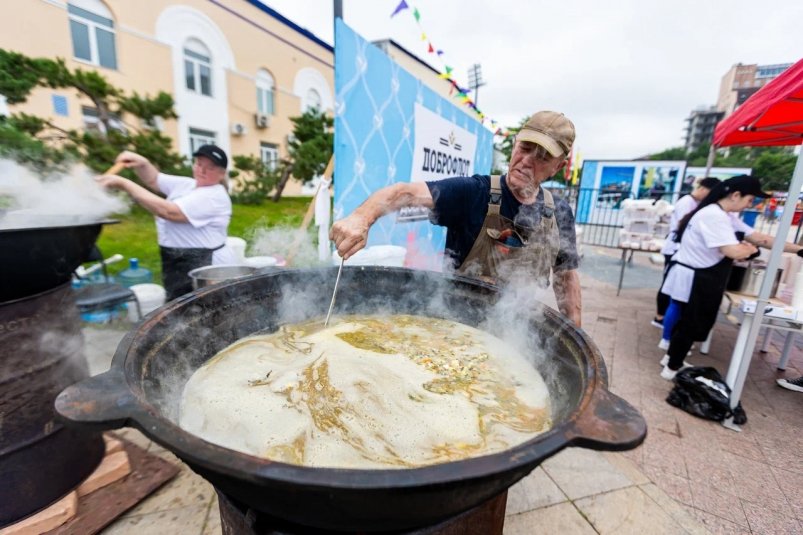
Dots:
(134, 274)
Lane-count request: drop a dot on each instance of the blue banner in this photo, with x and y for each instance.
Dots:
(376, 109)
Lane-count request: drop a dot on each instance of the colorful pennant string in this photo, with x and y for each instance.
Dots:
(455, 90)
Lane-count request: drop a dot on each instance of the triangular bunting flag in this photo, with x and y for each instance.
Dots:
(430, 49)
(401, 7)
(417, 15)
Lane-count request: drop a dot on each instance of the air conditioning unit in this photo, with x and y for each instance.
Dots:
(262, 120)
(238, 129)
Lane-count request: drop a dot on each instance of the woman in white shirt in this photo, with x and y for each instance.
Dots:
(711, 238)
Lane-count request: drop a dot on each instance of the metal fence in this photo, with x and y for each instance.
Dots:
(598, 212)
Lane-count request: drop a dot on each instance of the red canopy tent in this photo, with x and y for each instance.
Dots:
(772, 116)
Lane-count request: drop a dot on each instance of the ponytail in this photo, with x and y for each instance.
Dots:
(718, 192)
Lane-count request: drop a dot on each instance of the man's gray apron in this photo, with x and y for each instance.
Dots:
(504, 250)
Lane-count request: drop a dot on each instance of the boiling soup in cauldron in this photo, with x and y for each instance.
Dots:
(393, 391)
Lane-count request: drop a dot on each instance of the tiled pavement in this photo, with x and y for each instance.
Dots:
(690, 475)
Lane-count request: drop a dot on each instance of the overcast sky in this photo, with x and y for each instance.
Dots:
(627, 72)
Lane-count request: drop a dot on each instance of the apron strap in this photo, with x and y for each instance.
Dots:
(496, 195)
(549, 208)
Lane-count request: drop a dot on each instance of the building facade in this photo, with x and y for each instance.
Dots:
(236, 69)
(741, 81)
(700, 126)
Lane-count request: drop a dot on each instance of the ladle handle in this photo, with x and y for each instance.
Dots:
(114, 169)
(100, 402)
(609, 423)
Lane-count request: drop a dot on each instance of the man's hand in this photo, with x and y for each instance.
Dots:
(112, 181)
(131, 159)
(350, 234)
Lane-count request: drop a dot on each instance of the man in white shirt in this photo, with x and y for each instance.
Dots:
(192, 221)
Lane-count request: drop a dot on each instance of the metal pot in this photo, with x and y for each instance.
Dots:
(154, 361)
(42, 254)
(209, 275)
(754, 277)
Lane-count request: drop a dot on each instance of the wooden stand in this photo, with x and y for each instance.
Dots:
(125, 477)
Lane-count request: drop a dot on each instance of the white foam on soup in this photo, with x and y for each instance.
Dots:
(393, 391)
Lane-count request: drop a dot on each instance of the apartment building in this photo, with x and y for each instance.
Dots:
(237, 69)
(741, 81)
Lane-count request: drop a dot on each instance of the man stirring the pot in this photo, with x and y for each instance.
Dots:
(501, 229)
(192, 222)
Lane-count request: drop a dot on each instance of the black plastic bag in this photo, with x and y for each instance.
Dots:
(702, 391)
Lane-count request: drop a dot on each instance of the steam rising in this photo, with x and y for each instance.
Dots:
(285, 241)
(28, 199)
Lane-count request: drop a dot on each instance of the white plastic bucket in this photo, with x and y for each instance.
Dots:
(150, 297)
(237, 245)
(377, 255)
(260, 261)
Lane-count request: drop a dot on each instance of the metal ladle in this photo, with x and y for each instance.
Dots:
(334, 293)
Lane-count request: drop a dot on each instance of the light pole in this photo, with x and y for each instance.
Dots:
(475, 80)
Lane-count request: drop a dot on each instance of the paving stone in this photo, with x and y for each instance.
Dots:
(676, 487)
(768, 522)
(534, 491)
(580, 472)
(719, 503)
(717, 525)
(627, 511)
(562, 518)
(188, 520)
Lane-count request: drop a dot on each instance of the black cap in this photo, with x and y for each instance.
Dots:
(746, 185)
(214, 153)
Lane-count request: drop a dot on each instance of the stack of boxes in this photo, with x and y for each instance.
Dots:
(645, 224)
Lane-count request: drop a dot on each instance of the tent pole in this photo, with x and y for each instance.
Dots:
(740, 361)
(709, 163)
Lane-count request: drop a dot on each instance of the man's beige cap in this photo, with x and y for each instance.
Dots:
(550, 129)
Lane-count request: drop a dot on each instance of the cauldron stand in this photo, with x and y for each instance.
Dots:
(237, 519)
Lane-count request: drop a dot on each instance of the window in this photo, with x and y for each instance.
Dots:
(264, 83)
(200, 137)
(313, 100)
(92, 32)
(269, 154)
(92, 121)
(198, 67)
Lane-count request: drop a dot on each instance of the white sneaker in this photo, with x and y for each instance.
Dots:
(792, 384)
(669, 374)
(663, 344)
(686, 363)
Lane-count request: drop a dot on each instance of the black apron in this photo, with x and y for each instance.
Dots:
(177, 262)
(707, 289)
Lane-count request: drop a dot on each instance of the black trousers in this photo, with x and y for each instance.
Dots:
(661, 299)
(698, 316)
(176, 265)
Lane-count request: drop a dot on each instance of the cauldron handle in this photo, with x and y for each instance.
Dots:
(608, 423)
(100, 402)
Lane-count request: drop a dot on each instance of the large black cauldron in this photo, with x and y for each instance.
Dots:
(41, 253)
(154, 361)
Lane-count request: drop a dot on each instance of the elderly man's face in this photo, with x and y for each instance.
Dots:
(206, 173)
(530, 164)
